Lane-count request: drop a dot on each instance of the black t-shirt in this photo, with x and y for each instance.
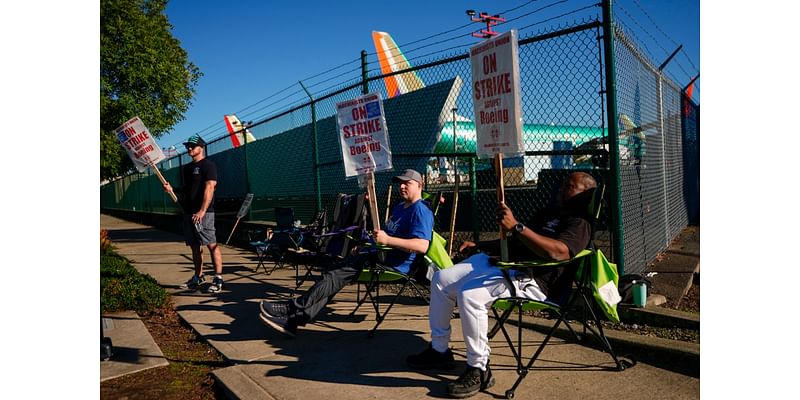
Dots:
(195, 176)
(571, 229)
(564, 224)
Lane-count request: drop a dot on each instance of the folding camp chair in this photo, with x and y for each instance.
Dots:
(301, 255)
(375, 274)
(585, 266)
(334, 242)
(284, 236)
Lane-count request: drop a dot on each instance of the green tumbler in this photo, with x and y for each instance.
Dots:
(639, 293)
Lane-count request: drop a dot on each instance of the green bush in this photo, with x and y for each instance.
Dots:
(114, 265)
(122, 287)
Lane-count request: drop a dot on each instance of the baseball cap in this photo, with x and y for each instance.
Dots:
(408, 175)
(195, 140)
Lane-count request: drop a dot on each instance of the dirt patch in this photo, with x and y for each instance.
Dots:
(691, 301)
(188, 375)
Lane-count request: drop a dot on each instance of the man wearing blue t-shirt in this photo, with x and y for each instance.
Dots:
(408, 232)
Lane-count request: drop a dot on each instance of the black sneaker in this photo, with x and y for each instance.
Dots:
(431, 359)
(281, 324)
(472, 381)
(275, 309)
(194, 282)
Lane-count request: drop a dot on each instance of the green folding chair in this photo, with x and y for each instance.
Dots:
(375, 274)
(591, 273)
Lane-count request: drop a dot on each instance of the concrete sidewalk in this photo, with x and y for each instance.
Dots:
(333, 357)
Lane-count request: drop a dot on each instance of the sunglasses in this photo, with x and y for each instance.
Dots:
(190, 146)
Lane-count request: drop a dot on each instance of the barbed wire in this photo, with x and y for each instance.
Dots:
(654, 40)
(266, 98)
(370, 64)
(532, 12)
(665, 34)
(333, 77)
(375, 53)
(557, 17)
(300, 91)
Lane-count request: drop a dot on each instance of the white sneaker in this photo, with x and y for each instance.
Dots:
(216, 284)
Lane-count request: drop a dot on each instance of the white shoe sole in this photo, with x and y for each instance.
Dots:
(278, 327)
(261, 307)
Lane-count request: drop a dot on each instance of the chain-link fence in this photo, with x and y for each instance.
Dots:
(297, 162)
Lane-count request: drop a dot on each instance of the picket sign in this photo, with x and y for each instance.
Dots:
(497, 105)
(365, 143)
(248, 199)
(141, 147)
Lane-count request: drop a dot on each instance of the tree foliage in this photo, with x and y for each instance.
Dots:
(143, 71)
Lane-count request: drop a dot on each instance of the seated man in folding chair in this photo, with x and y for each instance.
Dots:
(408, 232)
(474, 284)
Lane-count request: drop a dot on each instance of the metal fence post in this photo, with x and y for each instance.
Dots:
(246, 164)
(613, 137)
(473, 187)
(364, 83)
(315, 146)
(660, 111)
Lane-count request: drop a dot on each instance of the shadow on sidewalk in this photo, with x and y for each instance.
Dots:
(142, 235)
(349, 357)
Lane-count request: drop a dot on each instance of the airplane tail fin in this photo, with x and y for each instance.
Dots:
(391, 60)
(629, 127)
(237, 131)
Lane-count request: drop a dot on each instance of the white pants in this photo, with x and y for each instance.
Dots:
(473, 285)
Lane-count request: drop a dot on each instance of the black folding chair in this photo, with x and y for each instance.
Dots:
(333, 242)
(283, 237)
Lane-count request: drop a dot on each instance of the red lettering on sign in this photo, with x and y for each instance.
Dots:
(359, 113)
(493, 86)
(489, 63)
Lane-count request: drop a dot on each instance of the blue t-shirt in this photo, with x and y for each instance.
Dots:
(416, 221)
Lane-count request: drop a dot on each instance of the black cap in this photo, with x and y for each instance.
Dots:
(408, 175)
(195, 140)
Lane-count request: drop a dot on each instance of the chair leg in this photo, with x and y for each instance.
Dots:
(382, 316)
(261, 258)
(601, 336)
(500, 326)
(523, 372)
(367, 292)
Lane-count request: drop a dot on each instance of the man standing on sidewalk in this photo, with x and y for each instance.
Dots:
(197, 200)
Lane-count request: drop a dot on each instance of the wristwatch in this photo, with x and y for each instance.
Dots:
(518, 228)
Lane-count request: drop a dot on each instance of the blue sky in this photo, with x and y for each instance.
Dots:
(250, 50)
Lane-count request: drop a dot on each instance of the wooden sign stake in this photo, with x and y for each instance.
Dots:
(373, 201)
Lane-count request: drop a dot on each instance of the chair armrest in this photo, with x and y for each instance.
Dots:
(339, 232)
(542, 263)
(376, 246)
